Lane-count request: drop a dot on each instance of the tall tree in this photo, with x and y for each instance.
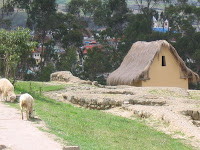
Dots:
(83, 9)
(40, 19)
(184, 20)
(6, 7)
(147, 9)
(137, 30)
(112, 14)
(96, 64)
(13, 45)
(68, 61)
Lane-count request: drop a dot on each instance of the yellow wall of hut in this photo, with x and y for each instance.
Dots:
(166, 76)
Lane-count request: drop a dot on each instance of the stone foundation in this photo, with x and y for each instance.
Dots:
(92, 103)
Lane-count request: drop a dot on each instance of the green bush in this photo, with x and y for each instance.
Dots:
(44, 75)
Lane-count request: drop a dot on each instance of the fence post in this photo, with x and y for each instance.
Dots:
(40, 90)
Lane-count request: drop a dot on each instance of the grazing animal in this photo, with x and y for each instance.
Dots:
(26, 101)
(7, 90)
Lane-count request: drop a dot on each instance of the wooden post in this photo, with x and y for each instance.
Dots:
(40, 91)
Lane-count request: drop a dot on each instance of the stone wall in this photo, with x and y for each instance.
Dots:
(92, 103)
(107, 103)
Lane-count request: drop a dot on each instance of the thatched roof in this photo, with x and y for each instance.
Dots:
(138, 61)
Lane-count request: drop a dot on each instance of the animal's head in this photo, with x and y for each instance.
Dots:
(12, 97)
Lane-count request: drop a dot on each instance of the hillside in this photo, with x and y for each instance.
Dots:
(172, 110)
(76, 126)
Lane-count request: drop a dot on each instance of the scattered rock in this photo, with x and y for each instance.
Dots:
(119, 92)
(195, 115)
(197, 123)
(2, 147)
(101, 86)
(71, 148)
(95, 83)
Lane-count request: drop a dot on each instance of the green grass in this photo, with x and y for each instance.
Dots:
(35, 87)
(95, 130)
(194, 95)
(166, 92)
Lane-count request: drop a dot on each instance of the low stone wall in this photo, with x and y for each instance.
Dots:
(145, 102)
(92, 103)
(102, 103)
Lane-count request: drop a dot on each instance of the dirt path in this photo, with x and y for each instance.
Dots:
(17, 134)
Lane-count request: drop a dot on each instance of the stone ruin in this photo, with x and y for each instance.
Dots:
(66, 76)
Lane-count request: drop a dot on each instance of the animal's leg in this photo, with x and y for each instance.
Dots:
(4, 97)
(27, 114)
(22, 113)
(1, 96)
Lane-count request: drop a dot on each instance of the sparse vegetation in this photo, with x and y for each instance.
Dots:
(29, 86)
(167, 92)
(194, 95)
(92, 129)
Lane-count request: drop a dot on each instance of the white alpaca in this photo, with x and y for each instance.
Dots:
(7, 90)
(26, 101)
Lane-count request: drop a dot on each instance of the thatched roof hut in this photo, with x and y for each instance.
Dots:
(139, 59)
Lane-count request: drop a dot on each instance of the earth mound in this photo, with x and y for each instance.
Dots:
(66, 76)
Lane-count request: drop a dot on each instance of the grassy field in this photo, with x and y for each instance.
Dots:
(92, 129)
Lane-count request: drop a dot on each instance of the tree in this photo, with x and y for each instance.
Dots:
(181, 18)
(96, 63)
(67, 30)
(40, 19)
(68, 33)
(112, 14)
(83, 9)
(13, 45)
(44, 75)
(68, 61)
(137, 30)
(75, 7)
(6, 7)
(146, 7)
(184, 22)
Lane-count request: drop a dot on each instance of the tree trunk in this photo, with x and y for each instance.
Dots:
(2, 10)
(6, 66)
